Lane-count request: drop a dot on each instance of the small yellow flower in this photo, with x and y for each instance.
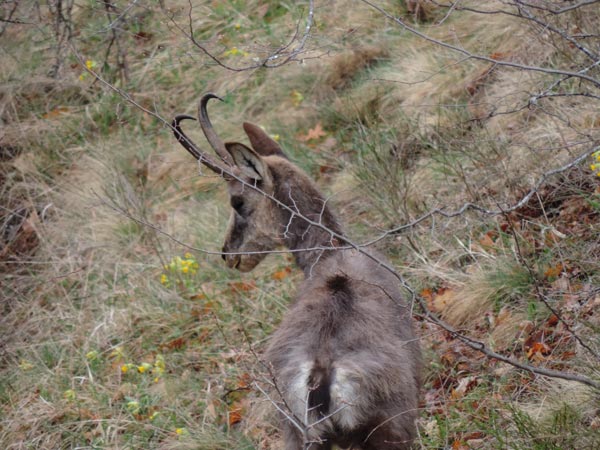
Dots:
(180, 431)
(275, 137)
(164, 279)
(92, 355)
(234, 51)
(237, 26)
(117, 353)
(159, 367)
(594, 167)
(127, 367)
(297, 98)
(82, 76)
(133, 406)
(70, 395)
(25, 365)
(185, 269)
(188, 255)
(90, 64)
(144, 367)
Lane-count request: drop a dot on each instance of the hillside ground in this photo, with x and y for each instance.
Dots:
(120, 326)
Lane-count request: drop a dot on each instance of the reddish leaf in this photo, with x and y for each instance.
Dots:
(553, 271)
(281, 274)
(314, 134)
(243, 286)
(538, 349)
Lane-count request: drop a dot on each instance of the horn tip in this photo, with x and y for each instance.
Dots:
(179, 117)
(210, 95)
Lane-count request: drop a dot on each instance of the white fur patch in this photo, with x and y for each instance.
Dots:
(297, 394)
(344, 393)
(344, 408)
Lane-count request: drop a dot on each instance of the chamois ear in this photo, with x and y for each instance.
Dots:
(261, 142)
(247, 160)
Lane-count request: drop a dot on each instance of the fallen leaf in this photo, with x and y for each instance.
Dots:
(281, 274)
(58, 111)
(243, 286)
(235, 413)
(499, 56)
(175, 344)
(235, 416)
(427, 295)
(486, 241)
(244, 381)
(314, 134)
(538, 349)
(553, 271)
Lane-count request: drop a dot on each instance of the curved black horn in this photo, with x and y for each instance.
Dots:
(211, 136)
(189, 145)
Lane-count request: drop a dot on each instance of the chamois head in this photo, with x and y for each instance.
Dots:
(254, 226)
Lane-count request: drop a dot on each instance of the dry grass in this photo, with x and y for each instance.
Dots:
(407, 129)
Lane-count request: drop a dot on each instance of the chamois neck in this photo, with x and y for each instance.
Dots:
(301, 196)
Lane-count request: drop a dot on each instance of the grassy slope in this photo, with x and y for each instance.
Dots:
(108, 340)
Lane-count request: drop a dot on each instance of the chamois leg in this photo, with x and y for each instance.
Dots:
(389, 436)
(293, 440)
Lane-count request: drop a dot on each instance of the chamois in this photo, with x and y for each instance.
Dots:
(345, 357)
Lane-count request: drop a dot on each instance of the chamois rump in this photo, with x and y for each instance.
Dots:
(345, 357)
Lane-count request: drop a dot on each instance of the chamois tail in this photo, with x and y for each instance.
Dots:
(319, 395)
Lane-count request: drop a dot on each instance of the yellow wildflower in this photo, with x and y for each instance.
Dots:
(92, 355)
(180, 431)
(237, 26)
(234, 51)
(25, 365)
(70, 395)
(117, 353)
(185, 269)
(144, 367)
(133, 406)
(594, 167)
(159, 367)
(126, 367)
(297, 98)
(188, 255)
(164, 279)
(90, 64)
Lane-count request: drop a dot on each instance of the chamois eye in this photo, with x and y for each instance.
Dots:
(237, 203)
